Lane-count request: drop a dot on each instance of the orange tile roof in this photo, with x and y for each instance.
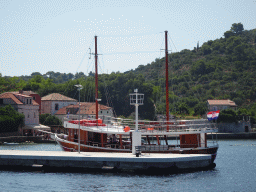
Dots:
(57, 97)
(34, 102)
(222, 102)
(10, 95)
(87, 108)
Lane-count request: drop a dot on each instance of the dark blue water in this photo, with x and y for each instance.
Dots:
(235, 171)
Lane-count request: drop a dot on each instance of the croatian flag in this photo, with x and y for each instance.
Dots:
(213, 115)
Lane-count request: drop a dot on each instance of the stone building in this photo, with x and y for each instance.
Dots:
(215, 105)
(26, 105)
(34, 95)
(23, 104)
(55, 101)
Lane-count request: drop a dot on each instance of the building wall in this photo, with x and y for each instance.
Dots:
(106, 115)
(31, 113)
(219, 107)
(234, 127)
(60, 104)
(45, 107)
(37, 98)
(106, 118)
(49, 106)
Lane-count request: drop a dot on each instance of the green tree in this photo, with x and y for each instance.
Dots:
(48, 119)
(228, 34)
(227, 116)
(237, 28)
(183, 108)
(10, 119)
(200, 109)
(206, 49)
(199, 68)
(35, 74)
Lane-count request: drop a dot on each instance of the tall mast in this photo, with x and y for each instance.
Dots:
(166, 79)
(96, 78)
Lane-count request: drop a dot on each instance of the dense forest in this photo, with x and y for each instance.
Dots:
(219, 69)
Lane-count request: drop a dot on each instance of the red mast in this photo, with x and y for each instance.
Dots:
(96, 79)
(166, 79)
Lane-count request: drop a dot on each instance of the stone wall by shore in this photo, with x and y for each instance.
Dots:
(23, 139)
(239, 127)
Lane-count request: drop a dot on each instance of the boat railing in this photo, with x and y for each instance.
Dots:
(156, 126)
(148, 148)
(177, 126)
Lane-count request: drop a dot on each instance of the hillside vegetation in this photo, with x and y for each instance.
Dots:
(220, 69)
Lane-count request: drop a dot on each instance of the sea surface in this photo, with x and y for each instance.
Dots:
(235, 171)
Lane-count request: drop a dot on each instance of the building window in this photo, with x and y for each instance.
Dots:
(34, 98)
(101, 112)
(28, 115)
(56, 106)
(1, 101)
(27, 101)
(34, 115)
(30, 101)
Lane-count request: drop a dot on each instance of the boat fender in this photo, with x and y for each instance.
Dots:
(127, 129)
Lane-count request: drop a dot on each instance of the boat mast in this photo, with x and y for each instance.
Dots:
(166, 79)
(96, 79)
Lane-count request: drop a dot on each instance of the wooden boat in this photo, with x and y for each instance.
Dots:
(119, 135)
(190, 136)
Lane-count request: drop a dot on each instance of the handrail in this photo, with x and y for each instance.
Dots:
(156, 126)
